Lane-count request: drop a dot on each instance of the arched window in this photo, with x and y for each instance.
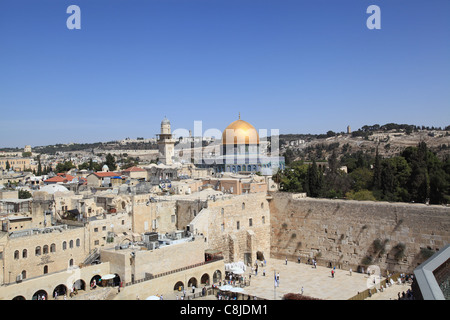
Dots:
(53, 247)
(78, 242)
(24, 253)
(37, 251)
(45, 269)
(45, 250)
(262, 205)
(24, 274)
(71, 263)
(71, 244)
(64, 245)
(16, 255)
(243, 205)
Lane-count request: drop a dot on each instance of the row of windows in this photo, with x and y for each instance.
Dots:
(45, 270)
(243, 207)
(11, 162)
(238, 223)
(46, 249)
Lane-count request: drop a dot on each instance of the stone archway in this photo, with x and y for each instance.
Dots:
(192, 282)
(178, 286)
(95, 278)
(217, 276)
(60, 290)
(40, 295)
(204, 279)
(79, 284)
(19, 298)
(259, 256)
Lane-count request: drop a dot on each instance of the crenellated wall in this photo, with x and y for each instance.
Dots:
(347, 233)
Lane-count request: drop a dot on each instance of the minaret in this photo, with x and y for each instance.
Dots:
(166, 143)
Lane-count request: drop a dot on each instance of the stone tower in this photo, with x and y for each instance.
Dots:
(166, 143)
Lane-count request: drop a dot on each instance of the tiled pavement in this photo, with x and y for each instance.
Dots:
(316, 282)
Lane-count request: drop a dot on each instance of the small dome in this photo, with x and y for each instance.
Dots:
(52, 188)
(165, 121)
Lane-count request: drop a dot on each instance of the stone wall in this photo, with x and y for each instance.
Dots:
(346, 233)
(239, 227)
(156, 261)
(56, 251)
(153, 216)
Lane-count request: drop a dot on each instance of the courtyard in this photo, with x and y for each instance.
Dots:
(316, 283)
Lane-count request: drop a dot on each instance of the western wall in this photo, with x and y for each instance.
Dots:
(356, 234)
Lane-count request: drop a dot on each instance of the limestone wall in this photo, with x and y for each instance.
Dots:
(239, 227)
(28, 287)
(345, 232)
(153, 216)
(156, 261)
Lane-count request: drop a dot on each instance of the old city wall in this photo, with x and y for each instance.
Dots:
(348, 234)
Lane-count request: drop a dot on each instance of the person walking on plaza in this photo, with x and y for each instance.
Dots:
(286, 260)
(332, 273)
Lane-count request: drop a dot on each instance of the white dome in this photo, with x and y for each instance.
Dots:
(52, 188)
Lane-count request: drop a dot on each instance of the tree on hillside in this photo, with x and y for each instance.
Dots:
(377, 171)
(110, 162)
(64, 167)
(314, 180)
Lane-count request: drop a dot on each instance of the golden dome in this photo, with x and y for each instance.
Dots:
(241, 131)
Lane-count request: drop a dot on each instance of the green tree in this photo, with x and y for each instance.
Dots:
(110, 162)
(361, 178)
(377, 171)
(64, 167)
(24, 194)
(314, 180)
(39, 168)
(8, 166)
(293, 178)
(335, 182)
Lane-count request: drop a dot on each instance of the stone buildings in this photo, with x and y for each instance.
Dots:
(61, 239)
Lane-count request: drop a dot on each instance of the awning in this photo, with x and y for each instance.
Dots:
(108, 276)
(226, 287)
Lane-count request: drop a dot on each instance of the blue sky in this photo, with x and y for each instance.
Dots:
(298, 66)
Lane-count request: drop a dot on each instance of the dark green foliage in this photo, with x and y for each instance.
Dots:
(24, 194)
(110, 162)
(64, 167)
(416, 175)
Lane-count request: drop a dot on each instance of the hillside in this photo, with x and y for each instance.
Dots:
(390, 143)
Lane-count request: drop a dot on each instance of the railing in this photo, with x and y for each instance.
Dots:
(214, 291)
(149, 276)
(370, 291)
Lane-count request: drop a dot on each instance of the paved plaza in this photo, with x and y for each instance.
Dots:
(316, 283)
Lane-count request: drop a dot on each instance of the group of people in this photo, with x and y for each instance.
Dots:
(406, 296)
